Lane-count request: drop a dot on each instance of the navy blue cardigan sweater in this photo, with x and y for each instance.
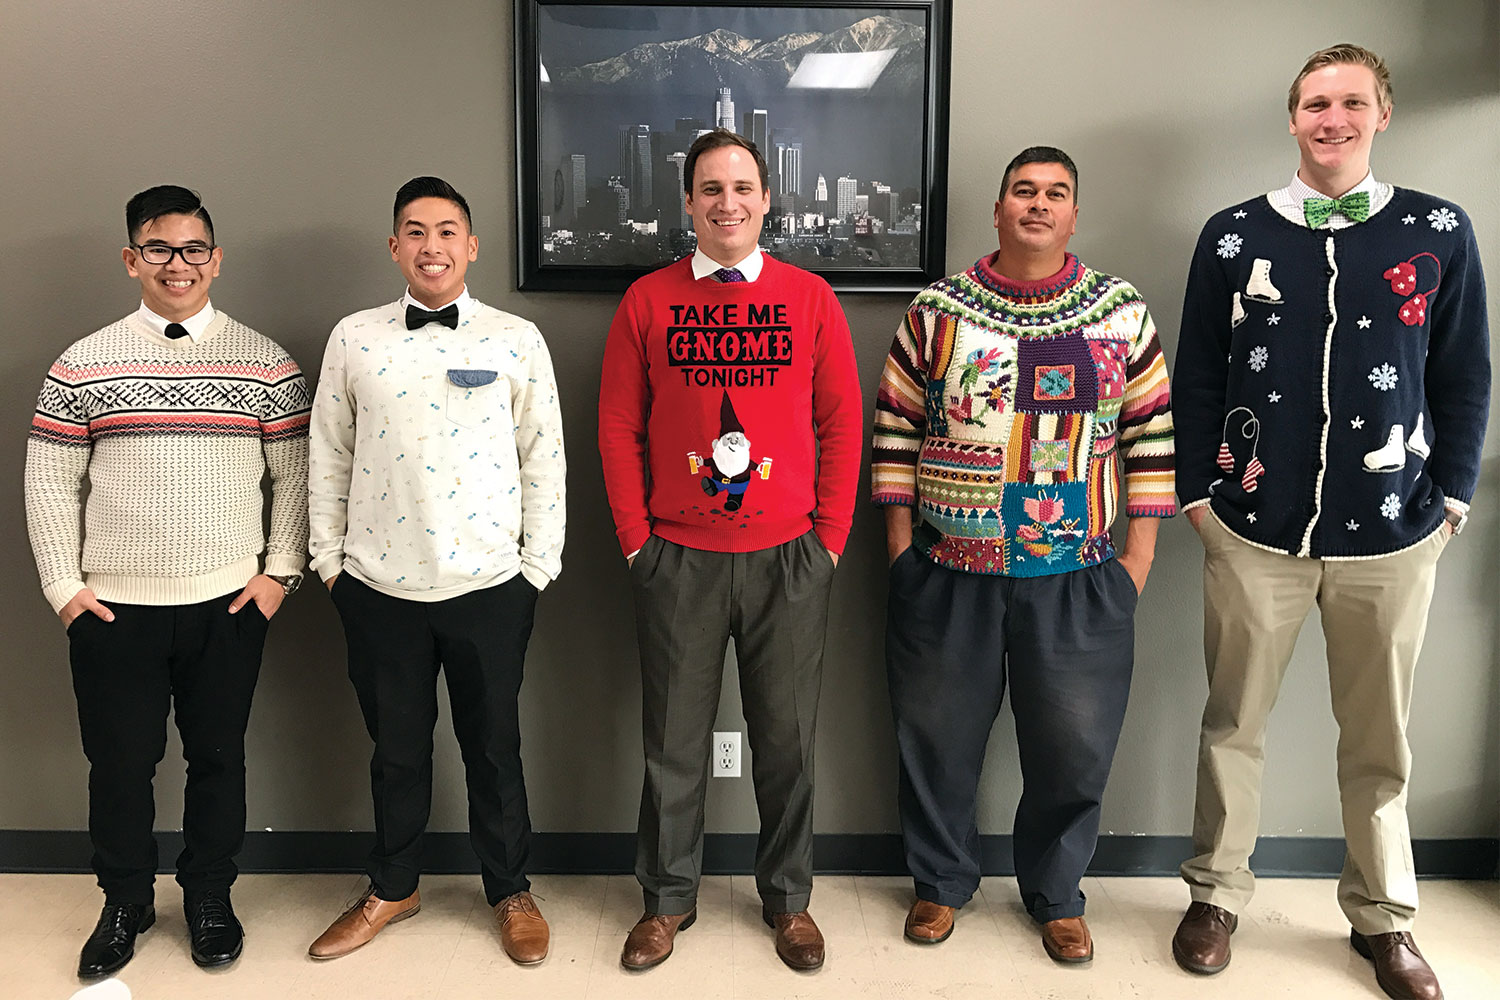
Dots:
(1305, 356)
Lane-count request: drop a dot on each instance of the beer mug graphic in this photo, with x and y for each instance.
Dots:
(695, 461)
(764, 468)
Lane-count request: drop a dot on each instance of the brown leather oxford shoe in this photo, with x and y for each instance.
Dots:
(799, 943)
(649, 942)
(928, 922)
(1201, 944)
(1067, 940)
(357, 925)
(523, 930)
(1400, 968)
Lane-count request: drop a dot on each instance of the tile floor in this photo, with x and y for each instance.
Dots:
(1292, 943)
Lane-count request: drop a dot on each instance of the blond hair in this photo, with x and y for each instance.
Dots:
(1343, 54)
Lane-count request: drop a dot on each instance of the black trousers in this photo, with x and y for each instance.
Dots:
(688, 603)
(201, 663)
(396, 648)
(1066, 645)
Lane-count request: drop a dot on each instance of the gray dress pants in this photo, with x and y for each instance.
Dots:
(688, 604)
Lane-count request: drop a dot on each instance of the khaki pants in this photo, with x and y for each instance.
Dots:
(1374, 615)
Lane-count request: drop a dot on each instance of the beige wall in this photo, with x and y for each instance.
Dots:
(299, 121)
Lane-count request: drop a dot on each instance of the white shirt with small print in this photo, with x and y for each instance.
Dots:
(436, 464)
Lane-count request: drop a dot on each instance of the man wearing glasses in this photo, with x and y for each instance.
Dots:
(173, 414)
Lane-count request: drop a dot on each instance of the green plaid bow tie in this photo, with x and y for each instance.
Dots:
(1355, 206)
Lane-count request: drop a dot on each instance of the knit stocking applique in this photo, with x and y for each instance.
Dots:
(1403, 279)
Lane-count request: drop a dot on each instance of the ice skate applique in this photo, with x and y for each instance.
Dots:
(1417, 443)
(1391, 456)
(1250, 430)
(1237, 312)
(1259, 287)
(1404, 281)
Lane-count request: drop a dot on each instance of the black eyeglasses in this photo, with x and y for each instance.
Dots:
(160, 253)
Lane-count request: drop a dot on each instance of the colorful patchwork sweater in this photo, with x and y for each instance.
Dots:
(1334, 384)
(174, 437)
(1005, 411)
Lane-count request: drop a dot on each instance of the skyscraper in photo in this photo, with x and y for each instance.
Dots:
(724, 110)
(635, 168)
(848, 191)
(787, 161)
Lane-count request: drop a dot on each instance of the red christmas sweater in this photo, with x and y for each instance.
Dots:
(730, 413)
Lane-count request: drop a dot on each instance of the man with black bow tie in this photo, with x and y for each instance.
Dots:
(174, 414)
(437, 516)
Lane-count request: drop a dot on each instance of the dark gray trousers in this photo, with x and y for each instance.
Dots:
(1066, 645)
(688, 603)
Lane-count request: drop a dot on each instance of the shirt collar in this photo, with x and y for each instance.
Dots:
(194, 324)
(1299, 191)
(465, 302)
(704, 265)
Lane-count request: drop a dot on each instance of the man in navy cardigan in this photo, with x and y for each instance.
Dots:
(1332, 386)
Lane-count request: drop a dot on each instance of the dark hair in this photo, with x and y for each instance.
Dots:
(1040, 154)
(428, 187)
(715, 139)
(164, 199)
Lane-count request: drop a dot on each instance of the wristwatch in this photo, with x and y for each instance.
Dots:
(1455, 520)
(289, 584)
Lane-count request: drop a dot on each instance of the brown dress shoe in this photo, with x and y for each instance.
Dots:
(649, 942)
(1201, 943)
(361, 922)
(929, 923)
(523, 929)
(1067, 940)
(799, 943)
(1400, 968)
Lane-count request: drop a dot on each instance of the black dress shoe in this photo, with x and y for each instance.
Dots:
(113, 942)
(215, 932)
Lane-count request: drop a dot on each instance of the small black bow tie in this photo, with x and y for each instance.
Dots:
(417, 317)
(176, 331)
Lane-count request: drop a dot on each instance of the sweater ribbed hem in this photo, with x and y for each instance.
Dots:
(750, 538)
(285, 564)
(169, 590)
(434, 596)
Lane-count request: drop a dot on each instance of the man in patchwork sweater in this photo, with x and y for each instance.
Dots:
(173, 414)
(1333, 376)
(437, 517)
(1014, 393)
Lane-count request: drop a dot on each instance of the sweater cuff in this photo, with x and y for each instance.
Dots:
(1192, 504)
(894, 498)
(833, 539)
(284, 564)
(535, 576)
(58, 594)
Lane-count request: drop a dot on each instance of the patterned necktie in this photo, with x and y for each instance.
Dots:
(176, 331)
(729, 274)
(1355, 207)
(417, 317)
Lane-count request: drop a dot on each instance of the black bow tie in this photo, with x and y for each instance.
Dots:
(176, 330)
(417, 317)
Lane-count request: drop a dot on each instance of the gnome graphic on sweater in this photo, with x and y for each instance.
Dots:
(729, 466)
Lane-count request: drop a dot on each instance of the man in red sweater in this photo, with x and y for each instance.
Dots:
(719, 369)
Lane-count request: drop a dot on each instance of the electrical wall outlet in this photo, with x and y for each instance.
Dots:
(726, 755)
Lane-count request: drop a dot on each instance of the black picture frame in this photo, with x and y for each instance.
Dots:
(897, 245)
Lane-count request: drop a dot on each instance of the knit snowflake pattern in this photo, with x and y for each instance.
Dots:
(1390, 507)
(1258, 358)
(1383, 377)
(1230, 243)
(1443, 219)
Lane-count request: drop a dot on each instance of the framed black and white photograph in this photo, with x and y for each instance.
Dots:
(847, 102)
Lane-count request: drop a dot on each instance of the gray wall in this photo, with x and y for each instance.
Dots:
(299, 121)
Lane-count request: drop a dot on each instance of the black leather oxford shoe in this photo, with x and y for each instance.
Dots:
(216, 935)
(112, 943)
